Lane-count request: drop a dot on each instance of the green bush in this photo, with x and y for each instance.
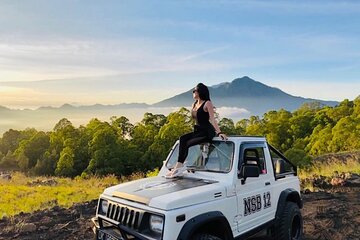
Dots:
(298, 157)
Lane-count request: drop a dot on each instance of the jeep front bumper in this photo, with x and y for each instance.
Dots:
(105, 230)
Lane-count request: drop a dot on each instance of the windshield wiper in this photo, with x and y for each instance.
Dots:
(193, 168)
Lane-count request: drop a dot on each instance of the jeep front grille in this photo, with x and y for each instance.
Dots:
(125, 215)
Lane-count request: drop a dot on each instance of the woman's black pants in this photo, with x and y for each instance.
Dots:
(191, 139)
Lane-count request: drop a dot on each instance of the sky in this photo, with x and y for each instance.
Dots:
(86, 52)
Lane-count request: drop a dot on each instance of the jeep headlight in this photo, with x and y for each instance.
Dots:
(103, 206)
(156, 224)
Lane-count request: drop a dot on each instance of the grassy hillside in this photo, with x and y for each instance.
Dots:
(28, 194)
(330, 164)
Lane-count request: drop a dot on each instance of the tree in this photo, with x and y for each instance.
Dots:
(22, 161)
(46, 165)
(104, 152)
(144, 133)
(256, 127)
(356, 112)
(122, 125)
(345, 108)
(63, 130)
(8, 162)
(322, 118)
(122, 148)
(10, 141)
(143, 136)
(298, 157)
(227, 126)
(301, 124)
(320, 140)
(31, 150)
(277, 129)
(156, 120)
(65, 165)
(130, 158)
(65, 135)
(81, 150)
(310, 107)
(12, 138)
(177, 124)
(64, 123)
(241, 126)
(346, 135)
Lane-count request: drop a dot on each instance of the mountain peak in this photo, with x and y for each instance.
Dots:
(247, 80)
(244, 92)
(67, 106)
(2, 108)
(244, 78)
(245, 87)
(220, 85)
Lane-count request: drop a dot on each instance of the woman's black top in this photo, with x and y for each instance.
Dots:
(202, 122)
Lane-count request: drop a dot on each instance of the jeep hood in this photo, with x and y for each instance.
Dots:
(166, 194)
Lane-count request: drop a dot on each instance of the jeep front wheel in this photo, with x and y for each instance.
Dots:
(205, 236)
(291, 223)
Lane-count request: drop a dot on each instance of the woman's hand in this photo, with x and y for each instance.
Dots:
(223, 136)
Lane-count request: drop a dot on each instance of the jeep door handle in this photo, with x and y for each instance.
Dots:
(267, 183)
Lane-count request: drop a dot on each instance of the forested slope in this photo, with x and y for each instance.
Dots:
(122, 148)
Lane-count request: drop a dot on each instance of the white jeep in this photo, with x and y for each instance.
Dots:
(230, 190)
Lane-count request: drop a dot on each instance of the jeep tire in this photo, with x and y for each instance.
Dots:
(290, 226)
(205, 236)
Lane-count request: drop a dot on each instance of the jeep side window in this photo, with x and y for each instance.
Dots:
(281, 166)
(255, 156)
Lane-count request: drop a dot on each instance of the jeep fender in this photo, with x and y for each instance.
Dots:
(288, 195)
(206, 220)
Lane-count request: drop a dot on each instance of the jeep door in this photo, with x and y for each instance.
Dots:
(254, 193)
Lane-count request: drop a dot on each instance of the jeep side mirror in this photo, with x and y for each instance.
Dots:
(280, 166)
(249, 171)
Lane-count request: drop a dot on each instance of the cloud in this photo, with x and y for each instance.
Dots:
(6, 122)
(201, 54)
(17, 97)
(21, 95)
(233, 113)
(64, 58)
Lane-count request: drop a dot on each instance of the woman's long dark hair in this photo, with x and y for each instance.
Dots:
(203, 92)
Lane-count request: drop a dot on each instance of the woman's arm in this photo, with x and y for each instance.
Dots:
(209, 107)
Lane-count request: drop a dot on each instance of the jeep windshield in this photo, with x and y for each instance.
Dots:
(214, 157)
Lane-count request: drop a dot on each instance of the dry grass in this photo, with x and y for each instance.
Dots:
(28, 194)
(329, 169)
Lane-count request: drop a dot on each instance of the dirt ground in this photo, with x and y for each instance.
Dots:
(55, 223)
(331, 215)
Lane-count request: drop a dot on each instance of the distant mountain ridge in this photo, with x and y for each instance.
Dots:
(244, 92)
(238, 99)
(247, 93)
(68, 106)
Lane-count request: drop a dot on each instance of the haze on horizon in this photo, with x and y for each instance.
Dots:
(88, 52)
